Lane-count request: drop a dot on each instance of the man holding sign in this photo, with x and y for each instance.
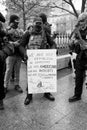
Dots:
(36, 39)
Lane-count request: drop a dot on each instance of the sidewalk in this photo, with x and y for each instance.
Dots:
(43, 114)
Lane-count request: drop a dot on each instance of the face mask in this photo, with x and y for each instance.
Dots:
(14, 25)
(38, 25)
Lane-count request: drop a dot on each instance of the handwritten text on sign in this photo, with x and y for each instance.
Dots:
(41, 71)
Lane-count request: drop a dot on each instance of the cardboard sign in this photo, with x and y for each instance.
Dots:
(42, 71)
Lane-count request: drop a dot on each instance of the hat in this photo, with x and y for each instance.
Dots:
(43, 17)
(14, 18)
(37, 19)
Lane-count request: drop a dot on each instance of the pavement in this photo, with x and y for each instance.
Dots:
(43, 114)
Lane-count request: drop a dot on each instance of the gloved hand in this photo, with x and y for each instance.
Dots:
(3, 56)
(70, 52)
(16, 43)
(57, 52)
(25, 58)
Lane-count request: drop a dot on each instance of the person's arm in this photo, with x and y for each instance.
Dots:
(50, 41)
(7, 50)
(2, 31)
(23, 43)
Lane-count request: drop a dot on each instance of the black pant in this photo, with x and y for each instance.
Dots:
(2, 73)
(13, 73)
(80, 64)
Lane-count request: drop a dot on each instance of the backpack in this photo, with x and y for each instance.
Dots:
(37, 41)
(47, 28)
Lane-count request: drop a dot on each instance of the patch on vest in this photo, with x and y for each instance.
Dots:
(35, 42)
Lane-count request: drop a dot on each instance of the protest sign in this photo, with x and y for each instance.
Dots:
(42, 71)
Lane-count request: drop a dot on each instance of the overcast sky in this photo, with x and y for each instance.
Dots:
(77, 4)
(2, 9)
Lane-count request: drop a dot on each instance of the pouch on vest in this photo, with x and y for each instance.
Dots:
(37, 41)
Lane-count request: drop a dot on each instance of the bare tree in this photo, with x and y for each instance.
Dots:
(25, 8)
(22, 7)
(55, 4)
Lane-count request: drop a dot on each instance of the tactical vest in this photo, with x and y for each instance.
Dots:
(37, 41)
(14, 34)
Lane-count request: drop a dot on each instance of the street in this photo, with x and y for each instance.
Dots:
(42, 114)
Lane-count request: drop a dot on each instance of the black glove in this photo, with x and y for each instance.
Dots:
(70, 52)
(57, 52)
(25, 58)
(3, 56)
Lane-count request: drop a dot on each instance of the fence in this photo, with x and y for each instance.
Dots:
(62, 41)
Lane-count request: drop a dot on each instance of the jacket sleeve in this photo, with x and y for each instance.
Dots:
(50, 41)
(2, 31)
(23, 44)
(6, 51)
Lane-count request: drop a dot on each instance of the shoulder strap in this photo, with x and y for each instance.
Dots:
(44, 40)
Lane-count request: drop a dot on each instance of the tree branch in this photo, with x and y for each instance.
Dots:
(28, 9)
(16, 3)
(65, 10)
(66, 1)
(83, 5)
(73, 7)
(55, 6)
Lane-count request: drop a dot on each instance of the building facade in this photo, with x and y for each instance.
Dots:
(61, 20)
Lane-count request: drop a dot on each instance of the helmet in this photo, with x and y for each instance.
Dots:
(43, 17)
(14, 18)
(37, 19)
